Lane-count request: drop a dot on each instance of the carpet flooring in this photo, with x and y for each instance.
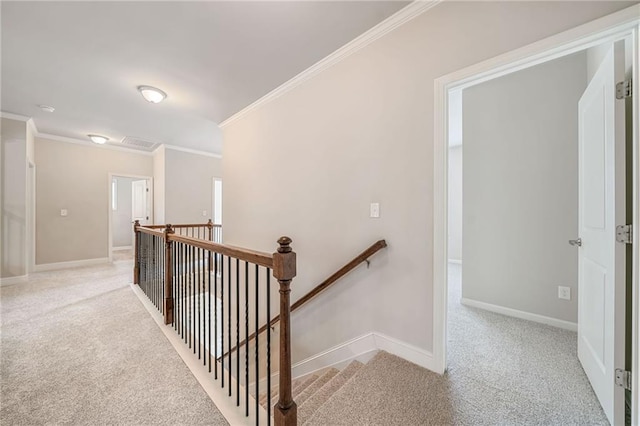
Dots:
(502, 371)
(78, 348)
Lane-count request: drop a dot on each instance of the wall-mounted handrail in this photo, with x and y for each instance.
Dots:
(362, 257)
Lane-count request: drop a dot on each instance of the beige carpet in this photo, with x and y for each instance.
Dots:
(78, 348)
(502, 371)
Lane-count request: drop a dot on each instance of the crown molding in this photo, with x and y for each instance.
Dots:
(12, 116)
(190, 151)
(90, 144)
(404, 15)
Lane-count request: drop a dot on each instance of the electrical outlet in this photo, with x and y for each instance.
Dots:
(564, 292)
(204, 212)
(64, 212)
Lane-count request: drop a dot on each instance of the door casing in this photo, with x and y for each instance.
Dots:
(624, 24)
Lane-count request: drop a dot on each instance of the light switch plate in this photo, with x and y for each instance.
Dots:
(63, 212)
(564, 292)
(374, 210)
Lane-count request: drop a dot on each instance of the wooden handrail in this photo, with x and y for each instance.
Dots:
(150, 231)
(377, 246)
(252, 256)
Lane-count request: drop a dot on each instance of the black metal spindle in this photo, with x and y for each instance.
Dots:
(246, 338)
(268, 343)
(222, 320)
(193, 297)
(209, 312)
(229, 317)
(199, 305)
(215, 315)
(237, 332)
(257, 354)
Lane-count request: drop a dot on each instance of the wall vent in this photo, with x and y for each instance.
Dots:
(137, 143)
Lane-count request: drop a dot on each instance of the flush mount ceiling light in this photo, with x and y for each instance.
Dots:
(98, 139)
(46, 108)
(152, 94)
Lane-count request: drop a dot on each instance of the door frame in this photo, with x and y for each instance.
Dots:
(111, 175)
(620, 25)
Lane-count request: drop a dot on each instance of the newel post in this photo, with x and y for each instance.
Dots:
(168, 275)
(136, 252)
(284, 269)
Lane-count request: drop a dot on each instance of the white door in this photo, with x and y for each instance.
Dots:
(140, 201)
(601, 264)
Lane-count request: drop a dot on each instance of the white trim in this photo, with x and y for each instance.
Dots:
(13, 280)
(404, 15)
(12, 116)
(554, 322)
(455, 261)
(219, 396)
(606, 29)
(190, 151)
(122, 248)
(361, 348)
(72, 264)
(150, 207)
(90, 144)
(406, 351)
(31, 123)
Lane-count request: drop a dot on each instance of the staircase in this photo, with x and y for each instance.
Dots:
(338, 397)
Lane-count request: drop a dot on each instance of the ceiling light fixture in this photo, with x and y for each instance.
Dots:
(98, 139)
(46, 108)
(152, 94)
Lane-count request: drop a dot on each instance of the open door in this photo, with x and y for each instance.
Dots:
(601, 260)
(141, 201)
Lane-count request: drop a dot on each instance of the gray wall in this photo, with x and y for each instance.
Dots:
(521, 188)
(122, 230)
(308, 164)
(13, 198)
(189, 186)
(76, 177)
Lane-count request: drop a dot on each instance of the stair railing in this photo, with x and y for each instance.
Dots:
(180, 273)
(328, 282)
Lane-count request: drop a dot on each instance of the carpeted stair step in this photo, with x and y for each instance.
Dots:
(274, 398)
(315, 386)
(315, 401)
(303, 385)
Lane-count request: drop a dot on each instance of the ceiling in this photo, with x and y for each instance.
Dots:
(212, 58)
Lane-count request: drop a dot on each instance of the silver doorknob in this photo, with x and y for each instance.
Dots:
(577, 242)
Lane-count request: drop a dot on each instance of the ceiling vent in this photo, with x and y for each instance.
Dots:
(137, 143)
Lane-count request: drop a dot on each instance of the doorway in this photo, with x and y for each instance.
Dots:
(130, 199)
(564, 44)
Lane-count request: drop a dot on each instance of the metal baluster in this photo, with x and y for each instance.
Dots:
(229, 317)
(193, 296)
(246, 338)
(237, 332)
(215, 314)
(203, 307)
(222, 320)
(199, 305)
(257, 348)
(268, 343)
(209, 310)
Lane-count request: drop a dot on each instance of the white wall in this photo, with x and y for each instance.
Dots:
(521, 188)
(308, 164)
(455, 202)
(75, 177)
(159, 185)
(189, 186)
(122, 230)
(13, 138)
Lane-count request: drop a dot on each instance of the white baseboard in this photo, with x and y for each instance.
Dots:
(73, 264)
(13, 280)
(456, 261)
(405, 351)
(567, 325)
(121, 248)
(362, 349)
